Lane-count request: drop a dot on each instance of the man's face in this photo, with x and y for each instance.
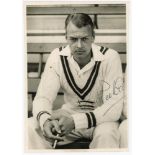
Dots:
(79, 40)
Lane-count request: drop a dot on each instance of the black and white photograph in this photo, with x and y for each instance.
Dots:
(77, 58)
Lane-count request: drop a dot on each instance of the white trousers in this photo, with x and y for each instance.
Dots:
(105, 135)
(123, 134)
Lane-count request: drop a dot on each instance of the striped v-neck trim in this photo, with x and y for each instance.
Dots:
(82, 93)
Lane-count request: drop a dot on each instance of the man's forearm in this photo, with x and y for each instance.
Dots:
(41, 110)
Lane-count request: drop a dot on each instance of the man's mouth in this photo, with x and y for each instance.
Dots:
(79, 51)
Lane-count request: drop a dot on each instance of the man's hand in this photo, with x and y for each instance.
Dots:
(66, 124)
(50, 130)
(65, 121)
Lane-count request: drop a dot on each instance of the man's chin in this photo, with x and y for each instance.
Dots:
(79, 56)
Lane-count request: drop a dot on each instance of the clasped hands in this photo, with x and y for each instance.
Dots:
(60, 122)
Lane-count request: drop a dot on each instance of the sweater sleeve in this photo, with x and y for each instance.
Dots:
(112, 105)
(47, 90)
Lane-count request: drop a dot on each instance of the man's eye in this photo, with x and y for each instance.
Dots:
(73, 39)
(84, 39)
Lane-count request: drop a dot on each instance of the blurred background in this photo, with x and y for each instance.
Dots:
(45, 32)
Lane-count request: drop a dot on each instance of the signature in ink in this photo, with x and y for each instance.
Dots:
(117, 87)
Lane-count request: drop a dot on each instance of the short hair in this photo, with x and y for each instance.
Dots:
(80, 20)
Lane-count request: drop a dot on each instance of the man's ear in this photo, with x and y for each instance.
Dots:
(93, 35)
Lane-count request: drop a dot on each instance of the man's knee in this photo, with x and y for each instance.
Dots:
(106, 135)
(106, 129)
(31, 133)
(35, 138)
(31, 127)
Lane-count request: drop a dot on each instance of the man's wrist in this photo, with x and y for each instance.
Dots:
(80, 120)
(47, 120)
(84, 120)
(42, 117)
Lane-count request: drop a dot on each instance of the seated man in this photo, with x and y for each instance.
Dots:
(91, 78)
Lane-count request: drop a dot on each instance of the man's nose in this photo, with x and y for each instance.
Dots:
(79, 43)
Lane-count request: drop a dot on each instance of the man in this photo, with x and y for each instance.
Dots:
(91, 77)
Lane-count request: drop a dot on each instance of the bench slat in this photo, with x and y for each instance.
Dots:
(35, 58)
(105, 9)
(62, 32)
(49, 47)
(57, 22)
(57, 39)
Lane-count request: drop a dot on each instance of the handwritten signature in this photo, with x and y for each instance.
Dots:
(117, 88)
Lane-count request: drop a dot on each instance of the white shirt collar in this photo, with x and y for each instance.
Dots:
(97, 55)
(65, 51)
